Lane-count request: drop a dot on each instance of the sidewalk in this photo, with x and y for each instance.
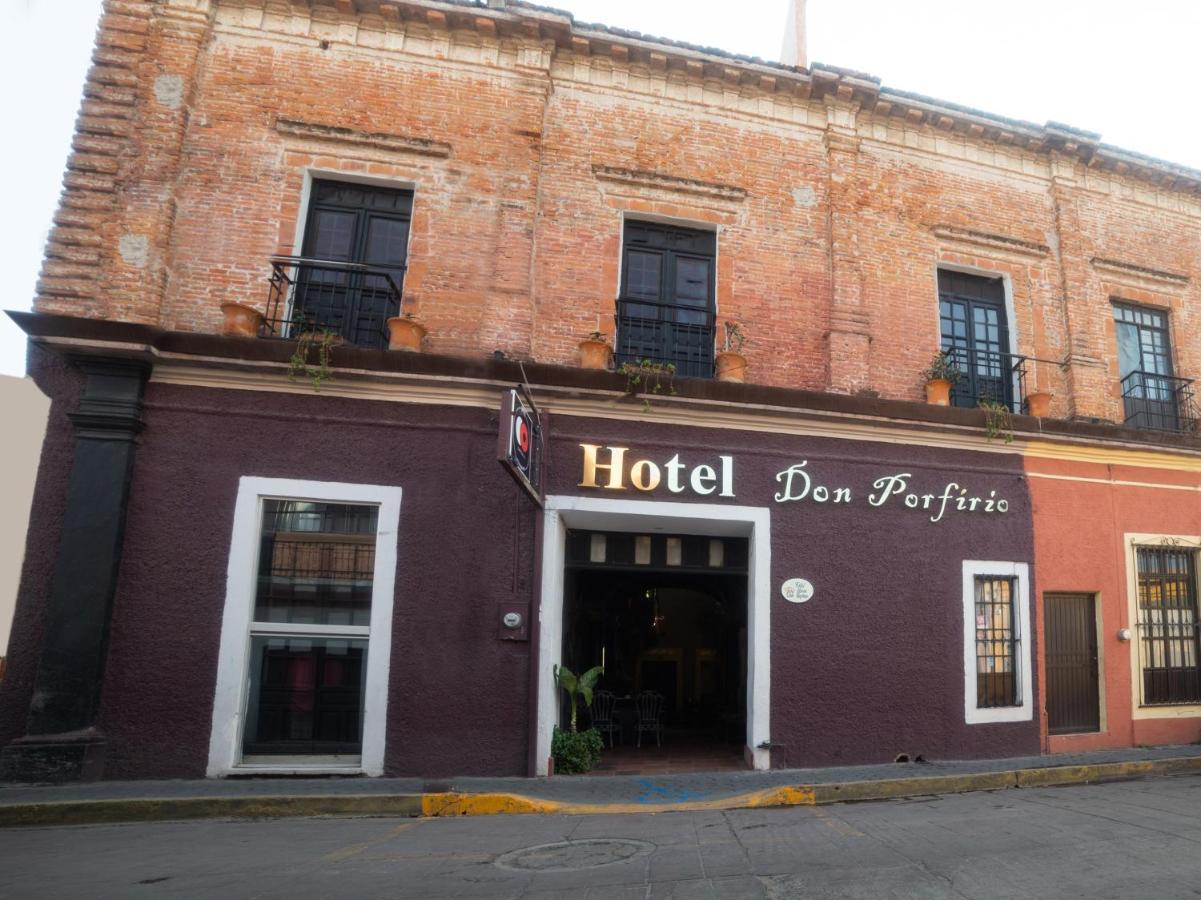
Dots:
(139, 801)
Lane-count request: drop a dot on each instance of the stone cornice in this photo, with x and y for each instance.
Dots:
(395, 143)
(1004, 243)
(543, 32)
(660, 182)
(1139, 275)
(373, 374)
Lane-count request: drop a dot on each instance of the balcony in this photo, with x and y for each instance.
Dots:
(667, 334)
(1158, 402)
(351, 300)
(988, 376)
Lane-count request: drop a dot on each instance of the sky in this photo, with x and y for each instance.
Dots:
(1129, 71)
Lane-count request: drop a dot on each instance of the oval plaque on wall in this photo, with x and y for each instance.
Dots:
(797, 590)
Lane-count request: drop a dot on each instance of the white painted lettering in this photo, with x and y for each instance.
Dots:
(704, 479)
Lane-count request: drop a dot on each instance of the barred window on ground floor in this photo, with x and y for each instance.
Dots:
(997, 640)
(997, 663)
(1169, 630)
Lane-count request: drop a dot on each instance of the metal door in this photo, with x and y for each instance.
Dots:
(1073, 702)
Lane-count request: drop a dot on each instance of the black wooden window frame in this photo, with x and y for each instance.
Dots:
(1169, 625)
(997, 688)
(984, 369)
(366, 298)
(683, 331)
(1150, 400)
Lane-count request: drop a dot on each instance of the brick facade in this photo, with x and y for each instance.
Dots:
(528, 138)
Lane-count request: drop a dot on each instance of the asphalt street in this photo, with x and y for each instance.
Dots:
(1137, 839)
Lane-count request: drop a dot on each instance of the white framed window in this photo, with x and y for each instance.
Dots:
(997, 686)
(302, 676)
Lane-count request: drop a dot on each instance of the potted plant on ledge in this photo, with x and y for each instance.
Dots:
(595, 351)
(1038, 404)
(941, 375)
(405, 332)
(730, 364)
(240, 320)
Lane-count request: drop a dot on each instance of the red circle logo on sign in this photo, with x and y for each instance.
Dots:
(523, 434)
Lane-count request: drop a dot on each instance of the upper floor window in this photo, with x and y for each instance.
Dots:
(1152, 396)
(350, 273)
(975, 333)
(665, 311)
(1168, 624)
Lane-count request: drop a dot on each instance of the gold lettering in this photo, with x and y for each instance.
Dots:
(614, 467)
(644, 475)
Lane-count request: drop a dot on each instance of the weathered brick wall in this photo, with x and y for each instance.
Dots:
(528, 140)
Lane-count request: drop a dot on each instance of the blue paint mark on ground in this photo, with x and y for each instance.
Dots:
(658, 793)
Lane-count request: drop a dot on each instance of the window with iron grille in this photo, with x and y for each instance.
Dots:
(974, 332)
(1169, 633)
(1152, 396)
(665, 310)
(997, 642)
(351, 272)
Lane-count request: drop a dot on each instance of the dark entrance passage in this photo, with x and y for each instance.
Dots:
(1072, 693)
(666, 615)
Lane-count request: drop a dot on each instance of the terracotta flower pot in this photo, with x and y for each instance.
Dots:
(938, 392)
(240, 320)
(405, 333)
(1038, 404)
(730, 366)
(595, 354)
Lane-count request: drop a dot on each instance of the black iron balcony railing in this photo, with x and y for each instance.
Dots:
(988, 376)
(352, 300)
(1159, 402)
(664, 333)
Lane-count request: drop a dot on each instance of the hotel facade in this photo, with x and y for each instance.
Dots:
(268, 537)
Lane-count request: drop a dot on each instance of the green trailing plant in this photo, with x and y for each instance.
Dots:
(647, 378)
(998, 420)
(599, 336)
(942, 368)
(313, 357)
(735, 338)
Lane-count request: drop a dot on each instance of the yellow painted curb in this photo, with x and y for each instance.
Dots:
(437, 805)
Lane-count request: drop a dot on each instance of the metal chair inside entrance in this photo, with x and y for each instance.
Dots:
(649, 705)
(603, 721)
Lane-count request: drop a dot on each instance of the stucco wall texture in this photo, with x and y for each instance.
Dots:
(1082, 514)
(457, 696)
(870, 668)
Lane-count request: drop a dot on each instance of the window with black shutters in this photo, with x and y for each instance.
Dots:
(665, 310)
(997, 641)
(1169, 638)
(974, 331)
(354, 255)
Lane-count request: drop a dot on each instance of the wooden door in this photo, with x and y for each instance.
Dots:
(1071, 649)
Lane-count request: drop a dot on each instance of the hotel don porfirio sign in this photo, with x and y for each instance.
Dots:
(621, 469)
(519, 444)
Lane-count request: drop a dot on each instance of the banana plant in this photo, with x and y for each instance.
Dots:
(581, 686)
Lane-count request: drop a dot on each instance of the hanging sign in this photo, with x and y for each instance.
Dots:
(519, 442)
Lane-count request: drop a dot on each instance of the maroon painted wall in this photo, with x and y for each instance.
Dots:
(457, 695)
(872, 666)
(869, 668)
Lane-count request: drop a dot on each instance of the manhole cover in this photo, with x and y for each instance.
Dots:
(570, 855)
